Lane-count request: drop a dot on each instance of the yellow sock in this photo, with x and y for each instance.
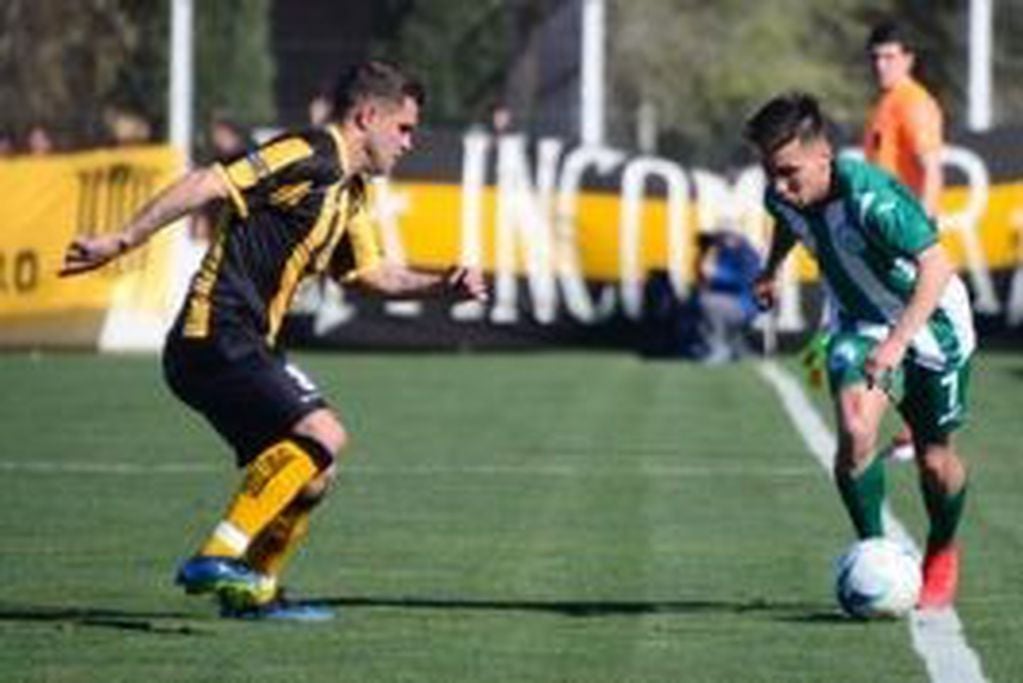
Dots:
(273, 548)
(271, 482)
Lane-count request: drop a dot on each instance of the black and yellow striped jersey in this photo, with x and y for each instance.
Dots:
(292, 213)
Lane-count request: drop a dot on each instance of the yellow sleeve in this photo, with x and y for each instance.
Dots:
(363, 247)
(249, 176)
(232, 188)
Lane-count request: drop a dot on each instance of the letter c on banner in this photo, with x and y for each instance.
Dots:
(566, 239)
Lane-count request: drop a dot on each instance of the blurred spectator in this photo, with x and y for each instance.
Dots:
(126, 127)
(227, 139)
(500, 118)
(727, 267)
(38, 141)
(320, 109)
(496, 120)
(7, 146)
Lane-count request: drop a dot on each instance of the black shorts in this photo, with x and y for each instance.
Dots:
(252, 399)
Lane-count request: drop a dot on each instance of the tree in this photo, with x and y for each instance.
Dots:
(66, 64)
(60, 61)
(460, 50)
(705, 66)
(234, 61)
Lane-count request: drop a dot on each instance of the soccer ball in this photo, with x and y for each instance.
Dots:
(877, 578)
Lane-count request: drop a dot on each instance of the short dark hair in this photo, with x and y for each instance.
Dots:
(374, 79)
(888, 32)
(784, 118)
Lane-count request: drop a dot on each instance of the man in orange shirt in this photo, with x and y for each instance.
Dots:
(904, 130)
(903, 135)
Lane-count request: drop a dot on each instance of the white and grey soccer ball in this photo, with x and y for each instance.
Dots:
(877, 578)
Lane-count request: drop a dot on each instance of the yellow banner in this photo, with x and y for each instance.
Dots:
(615, 235)
(431, 232)
(48, 202)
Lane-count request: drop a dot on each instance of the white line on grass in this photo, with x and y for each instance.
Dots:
(582, 471)
(645, 470)
(938, 636)
(116, 468)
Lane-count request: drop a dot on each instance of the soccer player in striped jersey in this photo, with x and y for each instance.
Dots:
(903, 326)
(298, 207)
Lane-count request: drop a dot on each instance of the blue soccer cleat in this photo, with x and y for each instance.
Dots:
(278, 609)
(216, 575)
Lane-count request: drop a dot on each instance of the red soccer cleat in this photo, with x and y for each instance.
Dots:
(941, 577)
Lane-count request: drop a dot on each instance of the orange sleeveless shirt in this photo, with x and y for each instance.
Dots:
(905, 122)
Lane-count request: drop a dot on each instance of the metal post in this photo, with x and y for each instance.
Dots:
(180, 97)
(646, 127)
(591, 112)
(981, 30)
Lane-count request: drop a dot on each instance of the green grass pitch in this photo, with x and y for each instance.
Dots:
(561, 517)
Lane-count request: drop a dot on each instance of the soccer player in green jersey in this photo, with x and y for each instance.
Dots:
(903, 328)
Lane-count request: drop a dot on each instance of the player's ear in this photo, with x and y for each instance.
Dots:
(365, 114)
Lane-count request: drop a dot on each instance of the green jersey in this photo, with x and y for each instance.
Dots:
(865, 239)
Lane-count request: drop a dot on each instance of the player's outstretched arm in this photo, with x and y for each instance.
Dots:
(396, 281)
(188, 193)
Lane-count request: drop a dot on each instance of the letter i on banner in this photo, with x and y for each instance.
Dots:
(524, 221)
(475, 146)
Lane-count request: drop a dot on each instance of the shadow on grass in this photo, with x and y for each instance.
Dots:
(170, 623)
(162, 623)
(795, 612)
